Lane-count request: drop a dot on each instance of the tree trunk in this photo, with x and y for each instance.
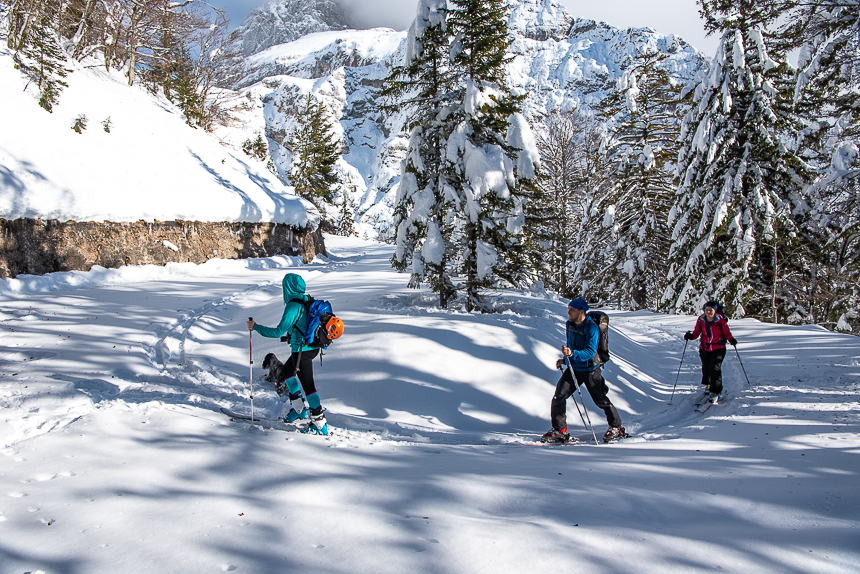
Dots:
(77, 39)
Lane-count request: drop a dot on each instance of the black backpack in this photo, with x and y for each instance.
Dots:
(602, 320)
(721, 313)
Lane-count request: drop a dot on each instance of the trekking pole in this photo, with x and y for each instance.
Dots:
(578, 388)
(251, 369)
(742, 367)
(679, 371)
(573, 396)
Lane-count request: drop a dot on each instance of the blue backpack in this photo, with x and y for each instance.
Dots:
(319, 313)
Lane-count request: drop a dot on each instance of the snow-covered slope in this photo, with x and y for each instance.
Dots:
(150, 166)
(153, 166)
(114, 457)
(561, 62)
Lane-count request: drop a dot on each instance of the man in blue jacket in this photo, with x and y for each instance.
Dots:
(581, 350)
(299, 367)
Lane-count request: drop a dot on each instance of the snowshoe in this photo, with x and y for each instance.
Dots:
(555, 436)
(615, 434)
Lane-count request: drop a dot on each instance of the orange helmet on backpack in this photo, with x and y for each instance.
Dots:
(334, 328)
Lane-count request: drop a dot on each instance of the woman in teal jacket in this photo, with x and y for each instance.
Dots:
(299, 367)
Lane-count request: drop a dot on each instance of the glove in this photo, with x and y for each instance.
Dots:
(733, 341)
(688, 336)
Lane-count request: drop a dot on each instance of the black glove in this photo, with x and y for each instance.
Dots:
(688, 336)
(733, 341)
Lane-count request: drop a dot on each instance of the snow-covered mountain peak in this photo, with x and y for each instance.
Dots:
(282, 21)
(539, 19)
(562, 62)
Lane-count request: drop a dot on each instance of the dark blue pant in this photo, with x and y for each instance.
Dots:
(596, 385)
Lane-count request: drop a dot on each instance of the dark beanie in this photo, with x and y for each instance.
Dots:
(579, 303)
(712, 304)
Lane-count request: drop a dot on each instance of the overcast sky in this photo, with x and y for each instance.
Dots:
(679, 17)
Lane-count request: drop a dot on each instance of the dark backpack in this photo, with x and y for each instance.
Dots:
(602, 320)
(319, 313)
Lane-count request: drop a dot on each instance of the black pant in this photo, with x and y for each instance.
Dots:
(305, 370)
(712, 369)
(596, 385)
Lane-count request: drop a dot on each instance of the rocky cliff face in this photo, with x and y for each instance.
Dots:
(561, 62)
(283, 21)
(540, 20)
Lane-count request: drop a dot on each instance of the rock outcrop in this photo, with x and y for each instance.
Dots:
(35, 247)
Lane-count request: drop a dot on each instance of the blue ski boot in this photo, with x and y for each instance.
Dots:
(318, 424)
(299, 410)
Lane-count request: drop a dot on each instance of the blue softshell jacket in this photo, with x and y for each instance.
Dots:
(583, 340)
(294, 319)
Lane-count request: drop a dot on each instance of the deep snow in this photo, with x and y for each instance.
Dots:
(151, 165)
(116, 458)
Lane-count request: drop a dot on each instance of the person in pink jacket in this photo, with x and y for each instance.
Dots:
(713, 331)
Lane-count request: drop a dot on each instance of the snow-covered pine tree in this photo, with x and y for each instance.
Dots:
(571, 161)
(346, 214)
(737, 178)
(425, 203)
(491, 153)
(826, 99)
(644, 116)
(826, 94)
(315, 149)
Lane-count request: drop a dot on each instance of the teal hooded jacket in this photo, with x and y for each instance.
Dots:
(294, 319)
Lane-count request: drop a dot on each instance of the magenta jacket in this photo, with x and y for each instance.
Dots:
(715, 335)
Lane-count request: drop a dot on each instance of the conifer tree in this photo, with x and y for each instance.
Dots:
(258, 147)
(346, 214)
(423, 211)
(491, 153)
(826, 101)
(39, 56)
(737, 178)
(825, 91)
(645, 113)
(315, 150)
